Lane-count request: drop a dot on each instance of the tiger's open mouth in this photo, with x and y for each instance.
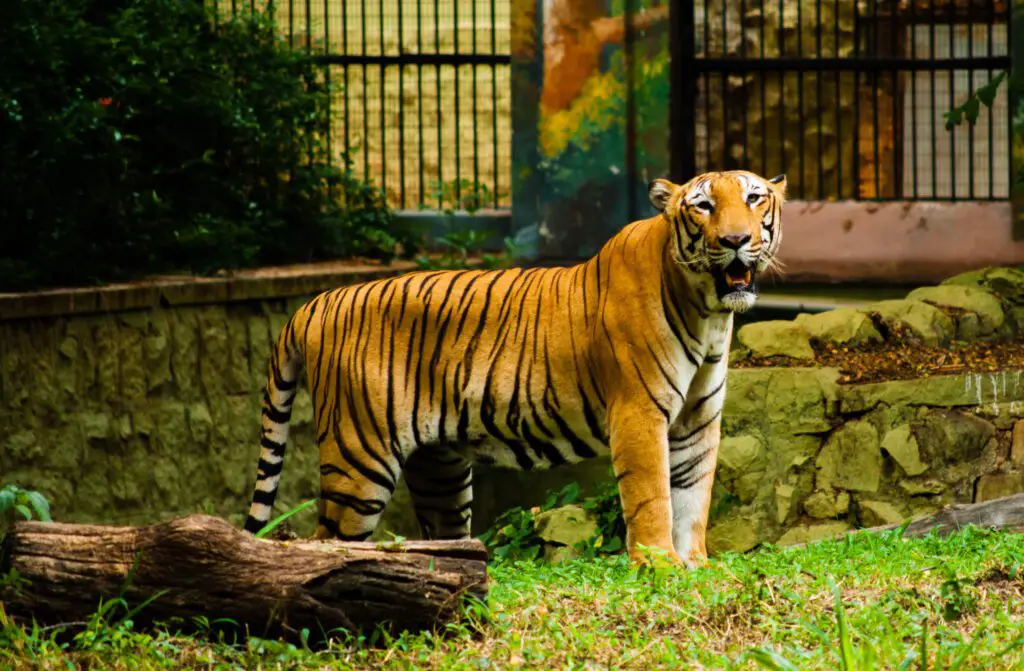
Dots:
(736, 277)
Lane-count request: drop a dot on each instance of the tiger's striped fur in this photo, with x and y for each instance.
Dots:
(430, 372)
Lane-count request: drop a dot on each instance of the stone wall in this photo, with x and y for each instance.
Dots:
(138, 403)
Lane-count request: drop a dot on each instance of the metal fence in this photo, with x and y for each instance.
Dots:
(421, 90)
(845, 96)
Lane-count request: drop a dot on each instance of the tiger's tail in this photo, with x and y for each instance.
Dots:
(282, 385)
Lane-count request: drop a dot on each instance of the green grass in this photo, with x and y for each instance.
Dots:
(865, 602)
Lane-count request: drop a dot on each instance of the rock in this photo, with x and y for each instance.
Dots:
(933, 326)
(783, 501)
(998, 485)
(736, 454)
(902, 447)
(567, 525)
(747, 485)
(802, 400)
(922, 487)
(825, 505)
(1017, 443)
(946, 391)
(1008, 282)
(733, 535)
(951, 436)
(812, 532)
(851, 459)
(776, 338)
(972, 299)
(878, 513)
(842, 326)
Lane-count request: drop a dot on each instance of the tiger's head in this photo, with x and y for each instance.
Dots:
(725, 225)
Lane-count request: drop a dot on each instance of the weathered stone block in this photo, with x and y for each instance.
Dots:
(946, 391)
(802, 400)
(130, 335)
(951, 436)
(733, 535)
(776, 338)
(744, 400)
(185, 351)
(827, 504)
(842, 326)
(922, 487)
(812, 532)
(851, 459)
(784, 495)
(972, 299)
(107, 362)
(1008, 282)
(998, 485)
(927, 322)
(738, 454)
(567, 525)
(1017, 443)
(878, 513)
(902, 446)
(157, 351)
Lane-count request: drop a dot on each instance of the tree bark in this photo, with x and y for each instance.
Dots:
(1006, 513)
(203, 566)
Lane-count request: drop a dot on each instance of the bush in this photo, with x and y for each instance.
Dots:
(140, 136)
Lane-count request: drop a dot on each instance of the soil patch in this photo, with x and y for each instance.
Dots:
(903, 357)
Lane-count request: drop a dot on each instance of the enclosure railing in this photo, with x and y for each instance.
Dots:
(846, 96)
(421, 90)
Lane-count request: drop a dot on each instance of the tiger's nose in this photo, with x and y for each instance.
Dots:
(735, 240)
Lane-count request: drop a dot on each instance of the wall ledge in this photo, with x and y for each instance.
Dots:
(178, 290)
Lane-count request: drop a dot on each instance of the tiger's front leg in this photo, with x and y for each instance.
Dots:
(693, 455)
(639, 447)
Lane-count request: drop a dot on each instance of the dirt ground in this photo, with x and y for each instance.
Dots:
(902, 358)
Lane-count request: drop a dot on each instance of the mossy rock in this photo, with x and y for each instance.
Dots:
(776, 338)
(813, 532)
(974, 301)
(878, 513)
(1006, 281)
(851, 459)
(952, 437)
(843, 326)
(732, 535)
(933, 326)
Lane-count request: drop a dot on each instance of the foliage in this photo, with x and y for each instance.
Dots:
(17, 503)
(462, 243)
(284, 517)
(141, 136)
(513, 535)
(868, 601)
(970, 109)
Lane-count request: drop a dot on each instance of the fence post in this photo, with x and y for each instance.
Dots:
(1016, 100)
(683, 92)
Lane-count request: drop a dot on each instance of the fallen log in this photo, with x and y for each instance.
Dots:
(203, 566)
(1004, 513)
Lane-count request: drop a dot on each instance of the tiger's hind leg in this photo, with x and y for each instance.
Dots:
(356, 484)
(440, 481)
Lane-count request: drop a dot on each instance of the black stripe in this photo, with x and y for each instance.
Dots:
(275, 447)
(438, 493)
(579, 448)
(703, 399)
(266, 469)
(331, 469)
(253, 525)
(363, 507)
(364, 470)
(273, 414)
(542, 448)
(687, 483)
(392, 477)
(698, 429)
(265, 498)
(650, 394)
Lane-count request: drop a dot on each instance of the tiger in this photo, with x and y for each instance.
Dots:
(429, 373)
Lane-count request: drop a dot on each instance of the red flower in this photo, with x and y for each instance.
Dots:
(106, 102)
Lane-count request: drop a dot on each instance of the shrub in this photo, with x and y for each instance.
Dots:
(140, 136)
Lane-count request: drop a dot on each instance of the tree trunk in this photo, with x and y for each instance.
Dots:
(203, 566)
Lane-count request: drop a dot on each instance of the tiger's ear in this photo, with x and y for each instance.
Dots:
(660, 192)
(779, 184)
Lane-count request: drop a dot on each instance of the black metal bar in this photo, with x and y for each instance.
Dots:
(857, 65)
(440, 125)
(874, 103)
(952, 104)
(706, 81)
(970, 130)
(819, 103)
(382, 74)
(839, 105)
(746, 97)
(782, 88)
(327, 81)
(458, 105)
(365, 110)
(682, 92)
(401, 109)
(991, 116)
(913, 98)
(801, 103)
(764, 100)
(476, 117)
(494, 101)
(419, 97)
(895, 28)
(344, 89)
(855, 173)
(934, 108)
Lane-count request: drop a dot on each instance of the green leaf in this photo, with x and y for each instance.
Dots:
(6, 499)
(987, 93)
(971, 109)
(273, 524)
(39, 505)
(25, 512)
(770, 659)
